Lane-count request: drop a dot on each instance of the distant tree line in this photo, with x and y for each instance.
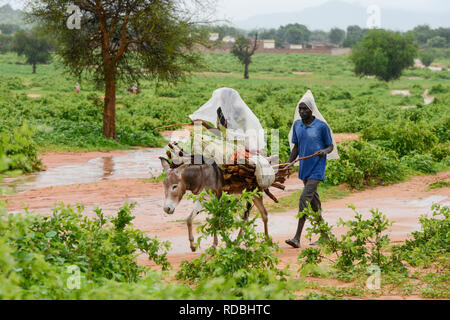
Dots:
(425, 37)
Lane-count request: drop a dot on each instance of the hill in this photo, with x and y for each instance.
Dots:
(10, 16)
(340, 14)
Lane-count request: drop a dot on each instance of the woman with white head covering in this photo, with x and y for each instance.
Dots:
(238, 119)
(310, 134)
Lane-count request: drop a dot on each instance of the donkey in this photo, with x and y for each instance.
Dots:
(196, 178)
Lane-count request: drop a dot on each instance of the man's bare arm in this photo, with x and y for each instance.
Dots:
(323, 153)
(208, 127)
(294, 154)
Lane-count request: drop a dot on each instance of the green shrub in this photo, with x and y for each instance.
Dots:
(19, 147)
(103, 248)
(37, 255)
(427, 57)
(36, 252)
(439, 88)
(423, 163)
(442, 130)
(12, 83)
(361, 246)
(431, 243)
(249, 258)
(402, 137)
(364, 164)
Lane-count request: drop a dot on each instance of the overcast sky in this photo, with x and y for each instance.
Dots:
(237, 10)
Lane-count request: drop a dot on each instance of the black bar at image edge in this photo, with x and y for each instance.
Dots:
(223, 309)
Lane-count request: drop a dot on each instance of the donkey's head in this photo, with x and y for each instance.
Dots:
(174, 186)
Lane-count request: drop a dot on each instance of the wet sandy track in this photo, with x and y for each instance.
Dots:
(109, 179)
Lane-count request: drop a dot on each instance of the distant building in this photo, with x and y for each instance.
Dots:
(341, 51)
(269, 44)
(321, 45)
(296, 47)
(213, 37)
(229, 39)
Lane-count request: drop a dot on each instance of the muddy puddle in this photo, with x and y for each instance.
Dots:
(134, 164)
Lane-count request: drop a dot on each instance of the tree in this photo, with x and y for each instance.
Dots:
(295, 33)
(354, 36)
(437, 42)
(337, 36)
(384, 54)
(318, 35)
(444, 33)
(35, 47)
(124, 39)
(427, 57)
(9, 28)
(423, 33)
(243, 49)
(5, 43)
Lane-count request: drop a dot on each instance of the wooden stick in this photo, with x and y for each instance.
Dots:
(271, 196)
(174, 125)
(279, 186)
(299, 159)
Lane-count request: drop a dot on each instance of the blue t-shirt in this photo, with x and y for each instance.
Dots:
(310, 139)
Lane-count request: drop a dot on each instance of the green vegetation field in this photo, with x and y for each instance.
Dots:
(41, 112)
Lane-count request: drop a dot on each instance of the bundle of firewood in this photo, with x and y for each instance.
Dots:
(237, 177)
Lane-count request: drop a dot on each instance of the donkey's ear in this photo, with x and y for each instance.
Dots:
(165, 164)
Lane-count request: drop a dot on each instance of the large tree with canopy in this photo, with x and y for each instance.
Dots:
(123, 40)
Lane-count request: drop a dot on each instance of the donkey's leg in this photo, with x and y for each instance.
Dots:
(264, 215)
(216, 241)
(197, 208)
(246, 215)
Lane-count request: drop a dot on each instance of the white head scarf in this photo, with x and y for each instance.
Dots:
(308, 99)
(242, 122)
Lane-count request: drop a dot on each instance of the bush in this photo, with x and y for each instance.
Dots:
(437, 42)
(403, 137)
(439, 88)
(249, 258)
(440, 152)
(36, 252)
(362, 246)
(39, 257)
(12, 83)
(427, 57)
(20, 149)
(364, 164)
(103, 248)
(423, 163)
(431, 243)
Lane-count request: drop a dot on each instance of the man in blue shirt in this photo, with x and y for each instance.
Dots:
(310, 135)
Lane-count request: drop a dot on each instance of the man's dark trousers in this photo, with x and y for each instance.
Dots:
(309, 195)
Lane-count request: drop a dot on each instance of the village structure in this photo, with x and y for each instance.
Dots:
(268, 46)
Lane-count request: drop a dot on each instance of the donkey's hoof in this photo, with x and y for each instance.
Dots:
(193, 249)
